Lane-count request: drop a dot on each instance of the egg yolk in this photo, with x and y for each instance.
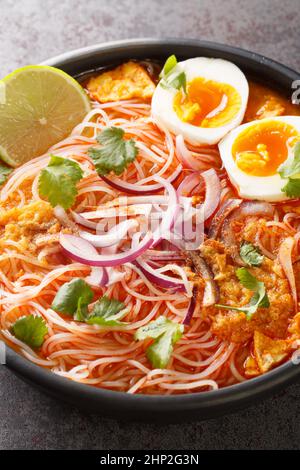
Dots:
(261, 148)
(207, 103)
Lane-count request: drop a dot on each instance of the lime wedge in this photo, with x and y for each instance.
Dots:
(39, 106)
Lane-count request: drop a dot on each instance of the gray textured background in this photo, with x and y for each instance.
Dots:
(33, 30)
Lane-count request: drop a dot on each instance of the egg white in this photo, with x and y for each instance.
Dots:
(264, 188)
(218, 70)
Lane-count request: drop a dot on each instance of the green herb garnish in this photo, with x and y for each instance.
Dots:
(291, 169)
(292, 188)
(259, 298)
(73, 299)
(250, 254)
(107, 312)
(4, 173)
(31, 330)
(166, 333)
(57, 182)
(171, 77)
(116, 152)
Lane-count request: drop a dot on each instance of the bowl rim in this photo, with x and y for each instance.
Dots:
(233, 396)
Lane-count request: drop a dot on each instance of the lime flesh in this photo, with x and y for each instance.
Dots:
(39, 106)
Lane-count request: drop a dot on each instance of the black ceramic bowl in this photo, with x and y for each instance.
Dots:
(145, 407)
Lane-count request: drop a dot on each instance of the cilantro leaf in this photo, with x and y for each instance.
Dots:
(57, 182)
(165, 333)
(259, 298)
(116, 152)
(250, 254)
(31, 330)
(170, 77)
(291, 168)
(292, 188)
(4, 172)
(107, 312)
(73, 299)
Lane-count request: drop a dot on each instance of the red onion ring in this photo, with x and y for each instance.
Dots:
(130, 188)
(80, 250)
(98, 277)
(159, 279)
(188, 183)
(185, 155)
(169, 215)
(202, 212)
(221, 215)
(191, 309)
(213, 192)
(112, 237)
(84, 222)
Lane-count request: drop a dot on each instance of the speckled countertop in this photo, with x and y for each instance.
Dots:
(33, 30)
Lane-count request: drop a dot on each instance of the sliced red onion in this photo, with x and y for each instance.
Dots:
(191, 308)
(112, 237)
(130, 188)
(114, 275)
(98, 277)
(169, 215)
(80, 250)
(159, 279)
(190, 226)
(123, 211)
(285, 258)
(189, 183)
(185, 155)
(62, 216)
(246, 209)
(83, 221)
(212, 191)
(221, 215)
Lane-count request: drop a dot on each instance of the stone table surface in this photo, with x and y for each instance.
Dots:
(33, 30)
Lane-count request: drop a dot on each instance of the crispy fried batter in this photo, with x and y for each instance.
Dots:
(129, 80)
(234, 326)
(269, 352)
(25, 224)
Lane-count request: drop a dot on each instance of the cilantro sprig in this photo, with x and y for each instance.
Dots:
(292, 188)
(31, 330)
(115, 153)
(165, 333)
(4, 173)
(250, 254)
(57, 182)
(74, 297)
(171, 77)
(259, 298)
(290, 169)
(107, 312)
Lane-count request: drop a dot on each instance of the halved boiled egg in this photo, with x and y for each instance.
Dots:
(214, 102)
(253, 152)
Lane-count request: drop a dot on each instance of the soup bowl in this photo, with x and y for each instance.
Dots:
(157, 408)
